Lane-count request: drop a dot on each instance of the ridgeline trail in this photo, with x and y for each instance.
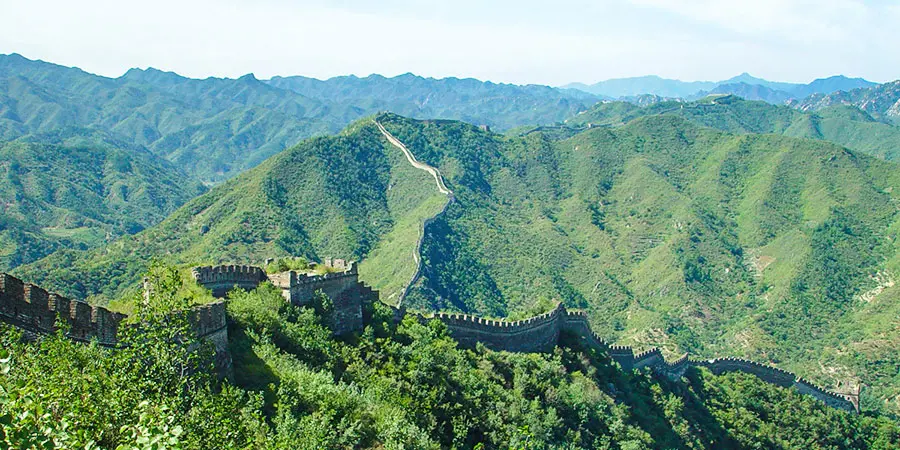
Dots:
(442, 188)
(415, 163)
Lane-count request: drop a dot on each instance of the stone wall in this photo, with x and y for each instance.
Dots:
(832, 399)
(541, 334)
(352, 299)
(35, 311)
(766, 373)
(221, 279)
(537, 334)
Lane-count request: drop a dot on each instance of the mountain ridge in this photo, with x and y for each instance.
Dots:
(780, 91)
(676, 235)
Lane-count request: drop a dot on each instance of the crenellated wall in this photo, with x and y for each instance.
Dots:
(35, 311)
(350, 297)
(537, 334)
(832, 399)
(767, 373)
(221, 279)
(541, 334)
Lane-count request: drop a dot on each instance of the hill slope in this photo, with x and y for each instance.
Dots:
(77, 190)
(669, 233)
(350, 196)
(842, 124)
(215, 128)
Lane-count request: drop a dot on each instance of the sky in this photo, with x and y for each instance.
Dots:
(523, 41)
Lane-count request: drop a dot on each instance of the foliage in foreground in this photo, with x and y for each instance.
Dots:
(393, 386)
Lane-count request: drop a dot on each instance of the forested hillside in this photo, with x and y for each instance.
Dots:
(670, 234)
(215, 128)
(79, 190)
(349, 196)
(842, 124)
(677, 236)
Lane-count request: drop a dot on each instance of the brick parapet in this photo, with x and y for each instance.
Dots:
(506, 335)
(36, 312)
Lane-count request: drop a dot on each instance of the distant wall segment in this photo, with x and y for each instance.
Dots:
(541, 334)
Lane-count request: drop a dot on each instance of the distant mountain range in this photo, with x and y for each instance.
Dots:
(217, 127)
(882, 102)
(745, 85)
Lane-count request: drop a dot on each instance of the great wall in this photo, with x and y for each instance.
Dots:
(349, 296)
(35, 311)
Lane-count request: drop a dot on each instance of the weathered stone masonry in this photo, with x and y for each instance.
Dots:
(350, 297)
(541, 334)
(35, 311)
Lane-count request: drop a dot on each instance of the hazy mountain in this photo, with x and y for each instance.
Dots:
(215, 128)
(749, 92)
(650, 84)
(499, 106)
(745, 85)
(882, 102)
(829, 85)
(670, 233)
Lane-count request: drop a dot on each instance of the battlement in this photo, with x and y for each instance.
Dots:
(36, 311)
(541, 333)
(208, 319)
(343, 288)
(833, 399)
(211, 273)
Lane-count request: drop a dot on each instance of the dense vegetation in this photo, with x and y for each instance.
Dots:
(403, 385)
(670, 234)
(217, 128)
(79, 191)
(842, 124)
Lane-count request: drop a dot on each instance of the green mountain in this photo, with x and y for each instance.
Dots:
(671, 234)
(842, 124)
(215, 128)
(350, 196)
(498, 105)
(881, 102)
(78, 189)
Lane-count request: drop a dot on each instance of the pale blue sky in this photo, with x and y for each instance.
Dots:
(521, 41)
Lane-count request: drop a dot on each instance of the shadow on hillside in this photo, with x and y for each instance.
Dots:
(636, 390)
